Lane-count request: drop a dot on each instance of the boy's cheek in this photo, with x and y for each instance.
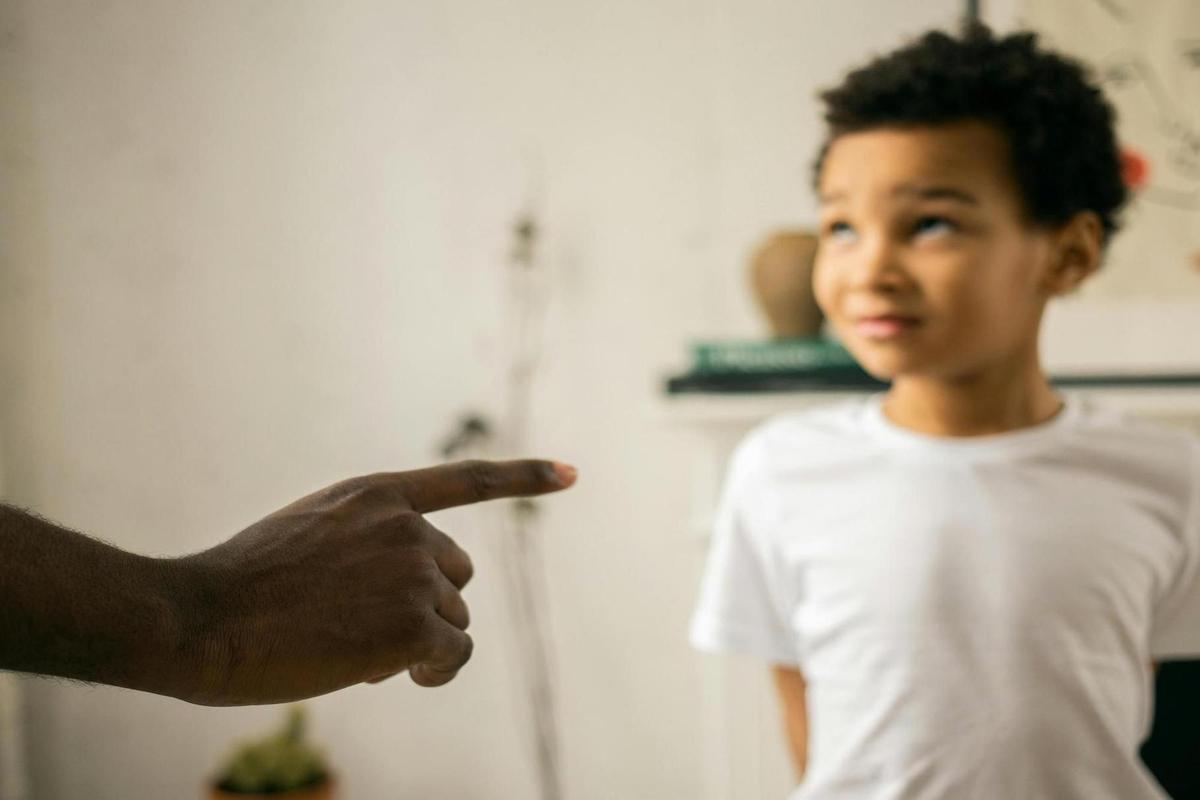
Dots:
(841, 327)
(827, 293)
(820, 288)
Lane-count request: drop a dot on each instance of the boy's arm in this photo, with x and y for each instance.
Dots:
(789, 681)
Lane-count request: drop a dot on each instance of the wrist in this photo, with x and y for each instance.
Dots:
(196, 639)
(123, 631)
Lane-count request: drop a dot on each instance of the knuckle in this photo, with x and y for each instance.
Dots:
(537, 473)
(412, 628)
(408, 527)
(464, 616)
(425, 576)
(406, 530)
(339, 493)
(483, 477)
(356, 492)
(416, 583)
(468, 567)
(466, 648)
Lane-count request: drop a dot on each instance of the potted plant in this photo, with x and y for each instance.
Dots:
(281, 767)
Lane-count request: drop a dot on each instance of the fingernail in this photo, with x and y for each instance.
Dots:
(566, 473)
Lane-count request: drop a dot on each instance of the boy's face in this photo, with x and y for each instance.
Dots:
(927, 264)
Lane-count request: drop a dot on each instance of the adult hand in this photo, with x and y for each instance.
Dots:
(346, 585)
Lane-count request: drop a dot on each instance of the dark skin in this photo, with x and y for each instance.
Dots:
(348, 585)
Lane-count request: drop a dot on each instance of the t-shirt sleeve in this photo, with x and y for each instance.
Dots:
(738, 610)
(1177, 618)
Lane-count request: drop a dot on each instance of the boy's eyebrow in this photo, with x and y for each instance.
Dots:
(936, 193)
(913, 190)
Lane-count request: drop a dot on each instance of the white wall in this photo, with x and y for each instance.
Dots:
(251, 248)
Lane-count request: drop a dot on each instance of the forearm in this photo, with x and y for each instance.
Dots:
(77, 608)
(792, 689)
(796, 727)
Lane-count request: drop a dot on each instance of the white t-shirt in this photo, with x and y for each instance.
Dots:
(975, 617)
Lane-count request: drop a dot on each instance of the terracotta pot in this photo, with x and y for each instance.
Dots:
(781, 276)
(324, 791)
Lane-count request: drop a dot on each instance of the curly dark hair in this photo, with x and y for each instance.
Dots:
(1057, 121)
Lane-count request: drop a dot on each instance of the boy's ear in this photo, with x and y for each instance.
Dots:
(1079, 247)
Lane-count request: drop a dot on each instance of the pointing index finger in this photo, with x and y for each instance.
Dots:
(468, 482)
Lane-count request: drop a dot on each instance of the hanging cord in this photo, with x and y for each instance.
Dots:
(525, 572)
(520, 548)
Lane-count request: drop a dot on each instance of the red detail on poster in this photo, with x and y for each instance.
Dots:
(1135, 169)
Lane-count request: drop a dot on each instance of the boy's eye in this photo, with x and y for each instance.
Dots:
(934, 226)
(839, 231)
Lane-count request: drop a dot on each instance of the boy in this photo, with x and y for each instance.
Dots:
(961, 584)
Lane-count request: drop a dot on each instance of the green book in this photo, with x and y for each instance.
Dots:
(758, 357)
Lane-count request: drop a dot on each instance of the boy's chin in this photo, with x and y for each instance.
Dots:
(887, 367)
(880, 366)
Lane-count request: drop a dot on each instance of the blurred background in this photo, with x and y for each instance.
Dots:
(251, 248)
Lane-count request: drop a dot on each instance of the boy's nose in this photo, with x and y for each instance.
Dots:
(879, 266)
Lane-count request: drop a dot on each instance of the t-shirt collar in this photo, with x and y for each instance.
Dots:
(1008, 443)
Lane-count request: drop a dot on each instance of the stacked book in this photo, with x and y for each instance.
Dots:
(819, 364)
(765, 366)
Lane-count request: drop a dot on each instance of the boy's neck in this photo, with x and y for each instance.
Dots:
(998, 400)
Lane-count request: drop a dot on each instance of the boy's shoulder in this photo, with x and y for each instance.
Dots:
(1154, 438)
(1163, 454)
(813, 433)
(831, 420)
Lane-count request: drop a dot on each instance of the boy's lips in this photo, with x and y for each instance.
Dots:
(885, 326)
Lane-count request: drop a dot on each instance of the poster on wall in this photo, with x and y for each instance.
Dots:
(1146, 54)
